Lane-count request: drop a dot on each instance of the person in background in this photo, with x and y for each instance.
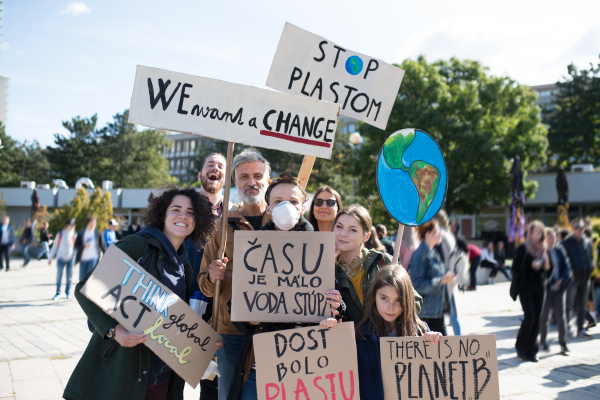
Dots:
(375, 244)
(45, 237)
(556, 293)
(110, 234)
(383, 238)
(488, 261)
(474, 260)
(430, 278)
(26, 240)
(500, 256)
(590, 314)
(7, 242)
(90, 245)
(212, 181)
(531, 269)
(410, 242)
(579, 250)
(325, 206)
(134, 227)
(63, 248)
(389, 312)
(562, 234)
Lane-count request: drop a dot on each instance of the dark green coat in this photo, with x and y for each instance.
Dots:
(373, 262)
(107, 370)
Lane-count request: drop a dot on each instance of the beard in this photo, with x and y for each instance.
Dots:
(211, 187)
(251, 200)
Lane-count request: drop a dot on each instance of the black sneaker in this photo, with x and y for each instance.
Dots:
(564, 349)
(545, 346)
(533, 358)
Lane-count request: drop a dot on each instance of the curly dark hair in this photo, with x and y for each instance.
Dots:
(157, 210)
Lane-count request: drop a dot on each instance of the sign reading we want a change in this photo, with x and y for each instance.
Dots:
(129, 294)
(232, 112)
(310, 65)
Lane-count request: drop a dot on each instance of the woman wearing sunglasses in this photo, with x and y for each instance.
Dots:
(324, 208)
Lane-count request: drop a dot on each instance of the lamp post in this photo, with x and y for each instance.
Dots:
(355, 139)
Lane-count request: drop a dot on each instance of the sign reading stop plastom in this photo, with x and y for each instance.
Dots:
(411, 176)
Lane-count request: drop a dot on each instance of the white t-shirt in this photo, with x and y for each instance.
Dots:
(91, 252)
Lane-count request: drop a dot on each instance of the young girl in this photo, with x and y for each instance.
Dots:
(390, 311)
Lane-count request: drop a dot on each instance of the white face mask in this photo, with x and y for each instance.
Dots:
(285, 215)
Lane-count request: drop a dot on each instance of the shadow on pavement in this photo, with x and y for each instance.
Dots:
(586, 393)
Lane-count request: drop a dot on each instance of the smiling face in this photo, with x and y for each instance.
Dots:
(179, 220)
(325, 213)
(349, 234)
(212, 175)
(388, 304)
(283, 192)
(251, 182)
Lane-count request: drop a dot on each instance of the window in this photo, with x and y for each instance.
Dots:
(193, 145)
(172, 165)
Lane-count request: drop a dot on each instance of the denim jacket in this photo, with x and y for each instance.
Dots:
(426, 272)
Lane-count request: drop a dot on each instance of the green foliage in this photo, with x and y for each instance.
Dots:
(574, 132)
(2, 205)
(80, 206)
(480, 121)
(12, 156)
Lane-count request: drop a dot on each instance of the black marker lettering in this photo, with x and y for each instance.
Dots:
(184, 96)
(371, 61)
(322, 52)
(295, 77)
(162, 87)
(337, 55)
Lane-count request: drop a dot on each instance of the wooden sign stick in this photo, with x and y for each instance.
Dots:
(305, 170)
(398, 244)
(224, 222)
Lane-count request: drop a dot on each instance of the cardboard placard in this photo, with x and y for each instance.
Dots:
(176, 334)
(460, 367)
(231, 112)
(281, 276)
(307, 363)
(307, 64)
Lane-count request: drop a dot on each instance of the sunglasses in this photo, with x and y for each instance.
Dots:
(330, 202)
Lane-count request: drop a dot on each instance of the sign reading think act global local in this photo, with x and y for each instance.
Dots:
(310, 65)
(412, 176)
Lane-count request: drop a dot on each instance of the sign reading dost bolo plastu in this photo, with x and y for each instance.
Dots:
(307, 64)
(282, 276)
(129, 294)
(459, 367)
(231, 112)
(307, 363)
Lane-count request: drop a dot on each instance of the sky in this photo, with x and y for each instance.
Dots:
(78, 58)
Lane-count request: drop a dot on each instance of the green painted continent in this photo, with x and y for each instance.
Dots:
(423, 175)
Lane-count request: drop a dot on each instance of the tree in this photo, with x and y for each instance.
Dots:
(11, 160)
(135, 157)
(480, 122)
(80, 206)
(37, 167)
(79, 153)
(574, 124)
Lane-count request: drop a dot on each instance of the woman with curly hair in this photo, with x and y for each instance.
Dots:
(116, 364)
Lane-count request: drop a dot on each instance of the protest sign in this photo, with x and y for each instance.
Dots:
(316, 362)
(459, 367)
(307, 64)
(129, 294)
(231, 112)
(281, 276)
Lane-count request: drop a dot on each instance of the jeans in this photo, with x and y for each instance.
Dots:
(86, 266)
(455, 324)
(532, 301)
(5, 251)
(45, 250)
(228, 356)
(555, 299)
(577, 296)
(60, 266)
(249, 390)
(473, 270)
(26, 257)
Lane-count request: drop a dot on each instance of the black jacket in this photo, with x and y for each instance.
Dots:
(580, 255)
(563, 266)
(79, 245)
(524, 276)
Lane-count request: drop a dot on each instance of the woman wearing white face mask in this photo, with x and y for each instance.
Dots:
(285, 198)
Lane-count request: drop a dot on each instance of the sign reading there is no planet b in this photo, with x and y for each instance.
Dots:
(312, 66)
(231, 112)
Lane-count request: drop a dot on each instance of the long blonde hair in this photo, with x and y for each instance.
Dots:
(408, 323)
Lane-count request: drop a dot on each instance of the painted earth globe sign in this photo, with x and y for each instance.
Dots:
(354, 65)
(412, 176)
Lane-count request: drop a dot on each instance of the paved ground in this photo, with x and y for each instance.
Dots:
(41, 341)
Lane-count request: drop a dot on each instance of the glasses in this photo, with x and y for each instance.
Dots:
(578, 227)
(330, 202)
